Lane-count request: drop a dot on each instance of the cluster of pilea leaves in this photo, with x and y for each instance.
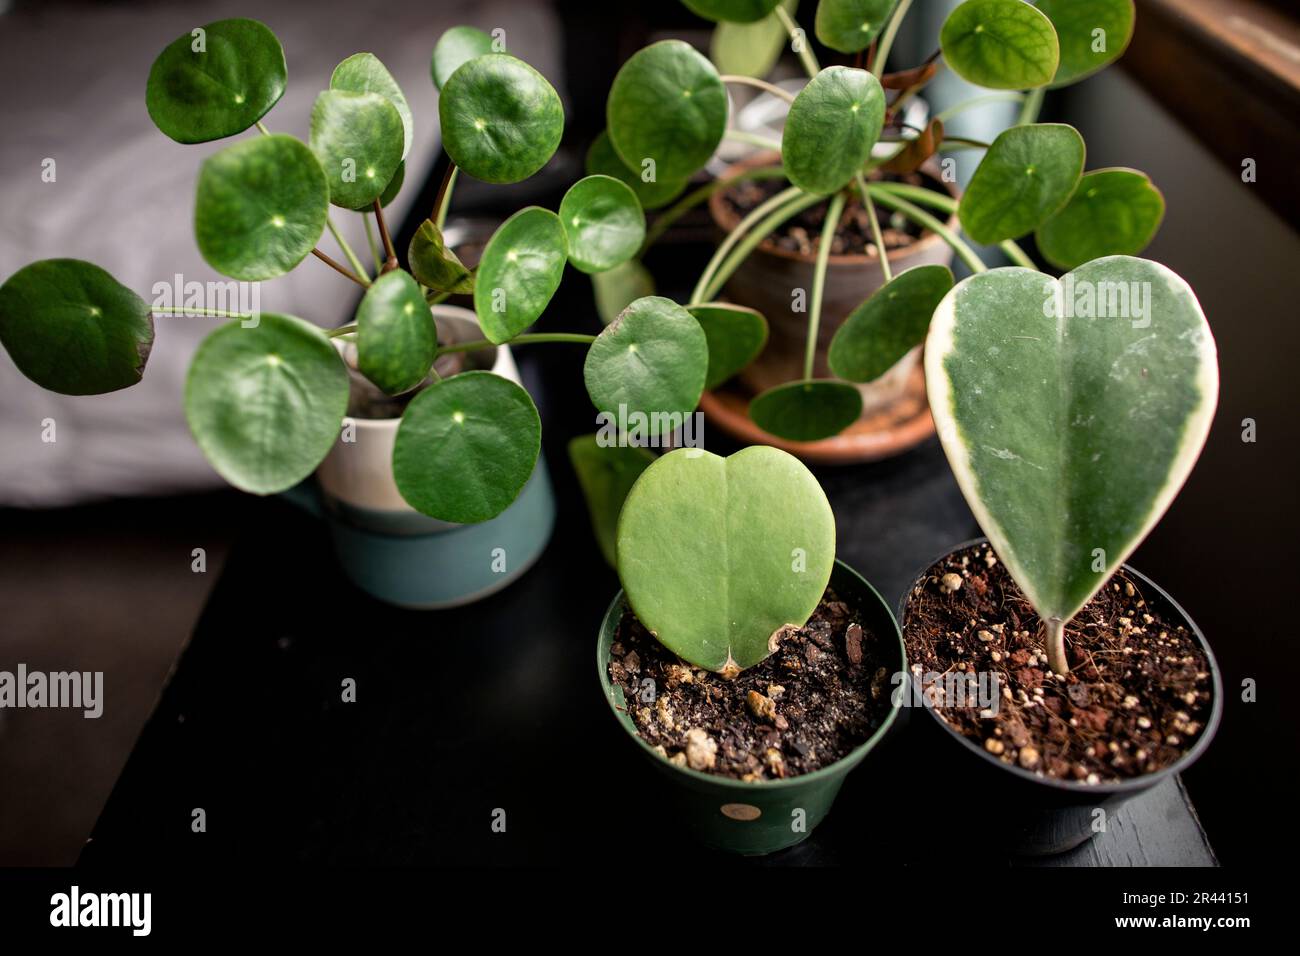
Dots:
(266, 395)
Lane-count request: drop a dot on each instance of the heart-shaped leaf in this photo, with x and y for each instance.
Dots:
(397, 340)
(806, 410)
(833, 124)
(889, 324)
(1000, 44)
(1092, 34)
(619, 287)
(265, 403)
(1027, 175)
(466, 447)
(666, 105)
(750, 49)
(363, 73)
(520, 269)
(501, 120)
(731, 11)
(215, 81)
(735, 334)
(260, 207)
(606, 474)
(718, 555)
(603, 222)
(434, 264)
(603, 161)
(850, 25)
(1112, 212)
(649, 361)
(358, 139)
(71, 327)
(1071, 413)
(456, 47)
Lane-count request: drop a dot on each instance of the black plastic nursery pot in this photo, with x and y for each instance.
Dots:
(760, 817)
(1022, 811)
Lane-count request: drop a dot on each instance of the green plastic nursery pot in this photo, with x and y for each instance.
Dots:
(758, 818)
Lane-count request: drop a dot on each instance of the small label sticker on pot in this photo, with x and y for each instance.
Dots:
(741, 811)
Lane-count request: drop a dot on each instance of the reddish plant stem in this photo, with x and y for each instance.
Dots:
(338, 267)
(391, 262)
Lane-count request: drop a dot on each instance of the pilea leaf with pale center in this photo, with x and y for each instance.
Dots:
(501, 120)
(850, 25)
(833, 124)
(215, 81)
(1028, 174)
(718, 555)
(71, 327)
(617, 288)
(260, 207)
(603, 222)
(1112, 212)
(266, 403)
(1092, 34)
(434, 264)
(455, 48)
(731, 11)
(889, 324)
(466, 447)
(397, 340)
(606, 474)
(666, 104)
(650, 362)
(806, 410)
(603, 161)
(358, 139)
(364, 73)
(1071, 412)
(750, 49)
(520, 269)
(1000, 44)
(735, 333)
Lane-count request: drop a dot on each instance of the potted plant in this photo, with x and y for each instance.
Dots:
(844, 147)
(1071, 412)
(426, 445)
(750, 666)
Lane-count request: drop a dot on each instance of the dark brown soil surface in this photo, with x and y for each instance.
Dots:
(825, 691)
(1137, 697)
(802, 234)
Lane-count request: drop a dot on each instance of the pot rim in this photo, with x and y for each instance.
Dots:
(765, 158)
(1131, 785)
(741, 786)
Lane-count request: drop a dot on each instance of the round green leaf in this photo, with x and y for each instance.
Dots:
(603, 161)
(260, 207)
(1092, 34)
(606, 473)
(1112, 212)
(1027, 175)
(850, 25)
(71, 327)
(363, 73)
(501, 120)
(397, 340)
(619, 287)
(731, 11)
(750, 49)
(265, 403)
(456, 47)
(707, 550)
(889, 324)
(394, 185)
(603, 222)
(358, 139)
(808, 410)
(215, 81)
(649, 361)
(735, 334)
(434, 264)
(1000, 44)
(833, 124)
(668, 105)
(466, 447)
(520, 269)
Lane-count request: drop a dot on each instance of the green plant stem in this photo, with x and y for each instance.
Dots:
(819, 280)
(1030, 108)
(341, 269)
(370, 241)
(347, 250)
(758, 84)
(887, 38)
(805, 53)
(696, 196)
(183, 310)
(975, 101)
(530, 339)
(1017, 255)
(923, 218)
(751, 241)
(753, 139)
(433, 298)
(729, 243)
(443, 201)
(876, 236)
(929, 197)
(262, 129)
(341, 331)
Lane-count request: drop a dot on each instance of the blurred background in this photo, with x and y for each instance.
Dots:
(99, 527)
